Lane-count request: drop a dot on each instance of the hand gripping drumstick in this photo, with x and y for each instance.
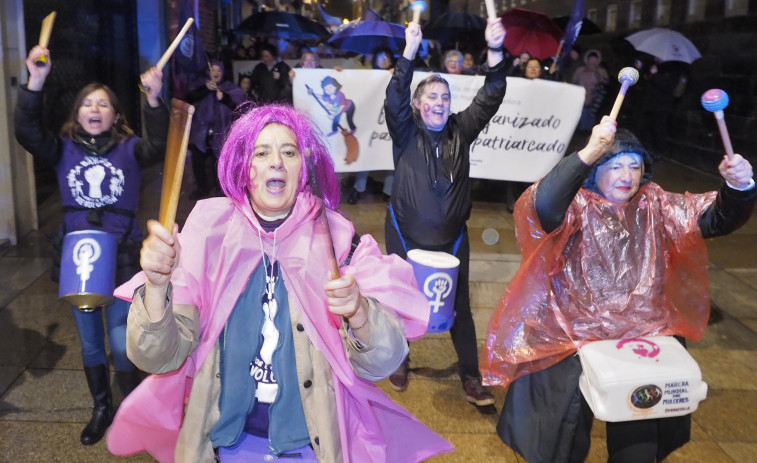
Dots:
(418, 7)
(627, 77)
(715, 101)
(44, 37)
(491, 10)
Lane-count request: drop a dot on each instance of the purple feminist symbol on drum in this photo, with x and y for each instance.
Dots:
(437, 285)
(85, 252)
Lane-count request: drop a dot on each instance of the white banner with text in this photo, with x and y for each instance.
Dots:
(523, 141)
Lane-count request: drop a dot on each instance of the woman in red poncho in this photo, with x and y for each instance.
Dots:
(607, 254)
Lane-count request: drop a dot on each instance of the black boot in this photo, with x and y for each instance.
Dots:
(98, 379)
(127, 381)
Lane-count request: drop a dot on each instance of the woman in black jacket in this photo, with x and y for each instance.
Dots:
(431, 197)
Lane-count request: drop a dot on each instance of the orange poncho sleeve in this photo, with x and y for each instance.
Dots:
(608, 272)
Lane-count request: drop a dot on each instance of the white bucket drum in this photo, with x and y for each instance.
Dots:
(436, 273)
(88, 269)
(640, 378)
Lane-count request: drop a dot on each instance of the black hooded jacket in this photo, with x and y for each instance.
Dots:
(431, 196)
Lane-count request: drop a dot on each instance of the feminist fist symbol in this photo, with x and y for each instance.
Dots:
(438, 286)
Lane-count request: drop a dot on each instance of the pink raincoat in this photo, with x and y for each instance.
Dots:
(608, 272)
(220, 249)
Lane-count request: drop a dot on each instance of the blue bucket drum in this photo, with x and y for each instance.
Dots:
(436, 273)
(88, 269)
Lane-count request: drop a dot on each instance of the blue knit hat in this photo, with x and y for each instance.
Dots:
(625, 143)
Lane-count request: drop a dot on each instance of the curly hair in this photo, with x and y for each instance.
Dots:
(238, 149)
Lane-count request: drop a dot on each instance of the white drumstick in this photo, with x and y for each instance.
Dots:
(167, 55)
(491, 9)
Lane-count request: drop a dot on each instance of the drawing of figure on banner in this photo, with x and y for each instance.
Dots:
(334, 101)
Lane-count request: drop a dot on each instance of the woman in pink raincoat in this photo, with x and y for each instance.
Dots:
(255, 349)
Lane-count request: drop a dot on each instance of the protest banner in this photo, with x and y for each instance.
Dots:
(522, 142)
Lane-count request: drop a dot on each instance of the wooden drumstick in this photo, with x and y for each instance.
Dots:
(323, 228)
(44, 37)
(176, 153)
(715, 101)
(627, 77)
(167, 55)
(418, 7)
(491, 9)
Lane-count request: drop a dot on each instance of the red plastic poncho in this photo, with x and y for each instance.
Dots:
(608, 272)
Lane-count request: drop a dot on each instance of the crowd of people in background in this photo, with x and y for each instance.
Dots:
(261, 158)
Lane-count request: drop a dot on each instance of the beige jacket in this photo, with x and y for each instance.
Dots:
(162, 347)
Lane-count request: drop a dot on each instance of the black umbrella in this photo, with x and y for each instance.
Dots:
(282, 25)
(588, 27)
(456, 27)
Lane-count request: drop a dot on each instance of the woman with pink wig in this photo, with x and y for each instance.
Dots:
(257, 349)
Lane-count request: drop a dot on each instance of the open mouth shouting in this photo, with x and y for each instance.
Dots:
(96, 114)
(275, 185)
(276, 166)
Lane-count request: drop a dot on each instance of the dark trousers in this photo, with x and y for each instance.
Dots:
(205, 177)
(547, 420)
(463, 331)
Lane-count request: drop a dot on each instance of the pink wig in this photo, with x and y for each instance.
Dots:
(234, 159)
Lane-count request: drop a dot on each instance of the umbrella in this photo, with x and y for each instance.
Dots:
(363, 36)
(456, 27)
(588, 26)
(666, 44)
(282, 25)
(531, 31)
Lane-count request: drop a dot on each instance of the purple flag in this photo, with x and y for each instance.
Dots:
(190, 63)
(572, 29)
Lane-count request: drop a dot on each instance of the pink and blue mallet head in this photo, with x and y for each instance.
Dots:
(715, 101)
(418, 7)
(627, 76)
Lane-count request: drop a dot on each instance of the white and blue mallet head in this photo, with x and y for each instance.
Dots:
(627, 76)
(418, 7)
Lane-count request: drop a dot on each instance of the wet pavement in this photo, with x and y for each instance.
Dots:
(44, 401)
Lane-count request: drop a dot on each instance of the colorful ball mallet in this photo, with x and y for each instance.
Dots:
(418, 7)
(627, 76)
(715, 101)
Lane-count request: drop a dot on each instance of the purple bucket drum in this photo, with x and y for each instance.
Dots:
(436, 273)
(88, 269)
